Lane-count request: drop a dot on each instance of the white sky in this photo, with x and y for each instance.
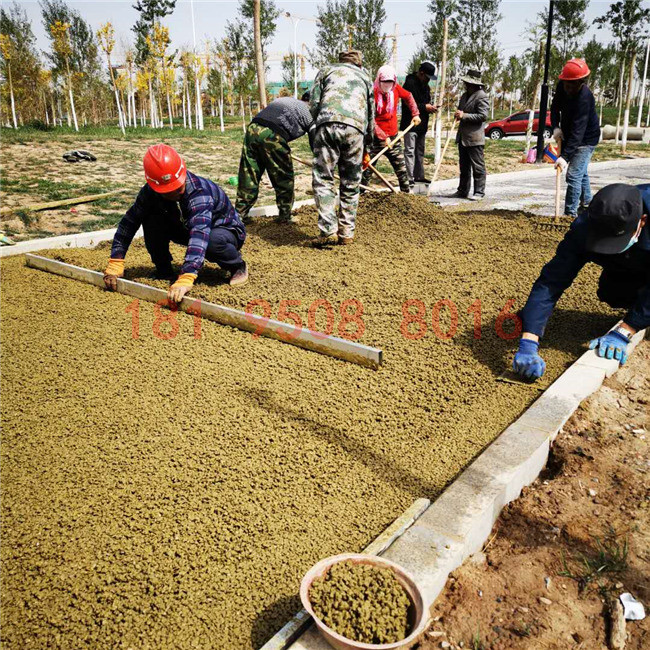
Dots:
(211, 17)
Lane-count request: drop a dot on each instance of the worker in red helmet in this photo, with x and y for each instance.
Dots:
(577, 129)
(177, 206)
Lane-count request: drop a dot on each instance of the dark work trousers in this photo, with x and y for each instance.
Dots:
(161, 229)
(620, 290)
(414, 144)
(472, 161)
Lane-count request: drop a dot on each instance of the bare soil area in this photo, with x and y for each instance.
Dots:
(577, 537)
(169, 487)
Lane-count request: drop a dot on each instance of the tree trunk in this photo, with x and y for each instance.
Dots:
(620, 95)
(531, 111)
(243, 114)
(11, 94)
(221, 101)
(259, 60)
(443, 82)
(645, 73)
(189, 108)
(626, 119)
(199, 103)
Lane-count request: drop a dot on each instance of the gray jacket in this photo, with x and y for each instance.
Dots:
(288, 117)
(475, 108)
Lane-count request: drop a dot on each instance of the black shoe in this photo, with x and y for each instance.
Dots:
(423, 180)
(457, 195)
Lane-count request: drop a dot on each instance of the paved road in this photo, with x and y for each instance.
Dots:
(535, 194)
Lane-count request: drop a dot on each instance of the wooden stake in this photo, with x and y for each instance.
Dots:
(558, 184)
(36, 207)
(332, 346)
(381, 177)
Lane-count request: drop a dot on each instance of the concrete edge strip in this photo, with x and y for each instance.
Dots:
(332, 346)
(460, 520)
(301, 620)
(90, 239)
(534, 172)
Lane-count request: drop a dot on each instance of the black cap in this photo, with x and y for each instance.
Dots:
(613, 218)
(429, 69)
(305, 96)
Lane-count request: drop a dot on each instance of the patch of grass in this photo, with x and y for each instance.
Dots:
(598, 568)
(27, 217)
(477, 644)
(523, 630)
(107, 221)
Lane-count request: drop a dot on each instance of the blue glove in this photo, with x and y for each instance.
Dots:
(611, 346)
(527, 361)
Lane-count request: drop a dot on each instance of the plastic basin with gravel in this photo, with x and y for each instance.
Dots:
(351, 591)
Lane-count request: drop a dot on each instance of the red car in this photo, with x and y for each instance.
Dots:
(516, 124)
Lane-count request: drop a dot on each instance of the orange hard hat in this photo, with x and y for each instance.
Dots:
(575, 69)
(164, 169)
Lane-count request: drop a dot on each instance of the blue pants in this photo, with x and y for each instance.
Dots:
(577, 180)
(161, 229)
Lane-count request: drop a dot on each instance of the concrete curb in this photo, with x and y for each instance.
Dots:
(90, 239)
(535, 171)
(459, 522)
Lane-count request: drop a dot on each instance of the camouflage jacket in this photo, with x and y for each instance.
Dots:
(343, 93)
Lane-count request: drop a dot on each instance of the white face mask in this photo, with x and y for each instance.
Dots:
(386, 86)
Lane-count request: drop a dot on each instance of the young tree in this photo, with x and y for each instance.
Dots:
(569, 27)
(440, 11)
(157, 43)
(334, 31)
(259, 58)
(150, 10)
(62, 48)
(477, 21)
(106, 38)
(368, 34)
(6, 47)
(21, 63)
(289, 62)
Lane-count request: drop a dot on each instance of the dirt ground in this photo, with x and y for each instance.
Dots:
(578, 536)
(171, 493)
(33, 172)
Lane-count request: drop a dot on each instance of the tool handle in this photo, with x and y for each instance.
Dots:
(444, 151)
(397, 139)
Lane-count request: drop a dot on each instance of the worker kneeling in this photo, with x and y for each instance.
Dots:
(614, 234)
(178, 206)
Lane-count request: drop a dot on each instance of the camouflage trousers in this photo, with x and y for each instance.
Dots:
(341, 145)
(396, 158)
(264, 150)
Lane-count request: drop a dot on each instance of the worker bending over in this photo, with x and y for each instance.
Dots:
(342, 106)
(576, 125)
(387, 93)
(266, 148)
(176, 205)
(614, 234)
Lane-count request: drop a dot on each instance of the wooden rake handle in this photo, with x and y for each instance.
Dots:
(444, 151)
(392, 144)
(308, 164)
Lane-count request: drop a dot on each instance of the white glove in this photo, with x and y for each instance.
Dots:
(558, 136)
(561, 164)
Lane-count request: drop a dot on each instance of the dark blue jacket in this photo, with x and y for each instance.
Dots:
(571, 256)
(577, 118)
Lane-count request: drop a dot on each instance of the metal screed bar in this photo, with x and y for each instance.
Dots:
(332, 346)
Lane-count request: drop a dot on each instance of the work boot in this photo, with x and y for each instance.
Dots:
(240, 276)
(324, 240)
(457, 195)
(292, 218)
(345, 241)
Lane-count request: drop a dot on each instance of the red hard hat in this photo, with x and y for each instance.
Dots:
(575, 69)
(164, 169)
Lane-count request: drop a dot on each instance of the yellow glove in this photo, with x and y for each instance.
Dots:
(114, 270)
(183, 284)
(416, 120)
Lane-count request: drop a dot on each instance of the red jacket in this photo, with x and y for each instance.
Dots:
(386, 124)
